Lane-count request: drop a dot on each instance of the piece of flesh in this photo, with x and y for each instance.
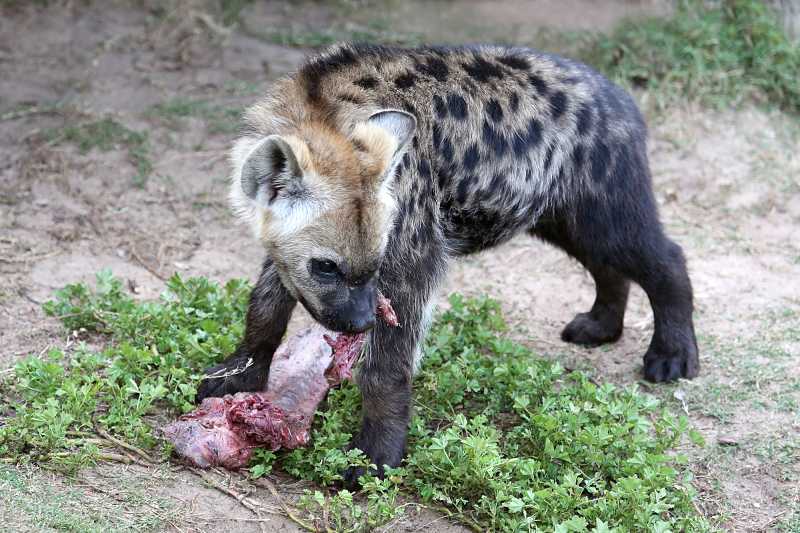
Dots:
(225, 431)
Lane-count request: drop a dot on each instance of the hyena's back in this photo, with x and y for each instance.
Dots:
(505, 135)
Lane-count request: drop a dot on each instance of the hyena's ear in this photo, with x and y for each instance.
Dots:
(401, 127)
(398, 124)
(271, 171)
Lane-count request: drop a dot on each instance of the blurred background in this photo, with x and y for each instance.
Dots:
(115, 119)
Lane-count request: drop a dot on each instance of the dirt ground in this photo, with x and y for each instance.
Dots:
(728, 183)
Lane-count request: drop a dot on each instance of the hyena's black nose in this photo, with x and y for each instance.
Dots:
(359, 313)
(359, 325)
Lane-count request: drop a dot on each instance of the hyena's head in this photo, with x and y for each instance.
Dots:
(321, 202)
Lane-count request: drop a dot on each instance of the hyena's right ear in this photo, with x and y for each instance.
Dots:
(271, 171)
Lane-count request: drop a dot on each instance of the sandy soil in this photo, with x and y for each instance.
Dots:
(728, 183)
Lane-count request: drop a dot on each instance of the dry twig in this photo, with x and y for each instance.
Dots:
(266, 483)
(138, 258)
(122, 444)
(241, 498)
(33, 110)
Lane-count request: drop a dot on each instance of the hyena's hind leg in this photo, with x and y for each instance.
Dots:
(660, 268)
(603, 322)
(617, 226)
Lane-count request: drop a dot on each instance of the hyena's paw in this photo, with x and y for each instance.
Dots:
(669, 365)
(235, 374)
(380, 453)
(592, 329)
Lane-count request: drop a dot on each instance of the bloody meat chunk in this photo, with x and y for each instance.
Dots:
(385, 311)
(224, 431)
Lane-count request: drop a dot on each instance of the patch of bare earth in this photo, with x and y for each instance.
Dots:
(728, 184)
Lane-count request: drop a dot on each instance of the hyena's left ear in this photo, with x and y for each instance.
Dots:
(398, 124)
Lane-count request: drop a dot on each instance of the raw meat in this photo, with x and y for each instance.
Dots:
(224, 431)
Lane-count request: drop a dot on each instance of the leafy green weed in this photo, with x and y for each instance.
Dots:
(156, 358)
(500, 439)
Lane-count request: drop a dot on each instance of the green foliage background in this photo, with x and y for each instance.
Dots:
(732, 53)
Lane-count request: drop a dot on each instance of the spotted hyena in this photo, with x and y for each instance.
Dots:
(371, 167)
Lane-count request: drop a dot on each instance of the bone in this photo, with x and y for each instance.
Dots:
(225, 431)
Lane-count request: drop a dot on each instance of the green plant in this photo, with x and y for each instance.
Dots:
(375, 505)
(501, 440)
(509, 442)
(156, 358)
(231, 10)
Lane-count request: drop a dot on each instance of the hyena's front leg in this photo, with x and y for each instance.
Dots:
(268, 315)
(386, 372)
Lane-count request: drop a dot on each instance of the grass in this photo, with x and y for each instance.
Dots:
(31, 499)
(374, 31)
(727, 54)
(105, 135)
(752, 370)
(230, 10)
(23, 3)
(500, 440)
(769, 457)
(509, 442)
(156, 360)
(791, 524)
(751, 389)
(218, 119)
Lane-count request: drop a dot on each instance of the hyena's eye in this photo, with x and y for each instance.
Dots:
(324, 269)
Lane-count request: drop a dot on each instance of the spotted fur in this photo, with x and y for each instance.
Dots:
(505, 140)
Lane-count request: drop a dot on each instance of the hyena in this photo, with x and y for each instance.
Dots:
(371, 167)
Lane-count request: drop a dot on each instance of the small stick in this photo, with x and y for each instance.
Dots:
(460, 517)
(222, 373)
(264, 482)
(138, 258)
(206, 19)
(129, 458)
(424, 527)
(122, 444)
(106, 456)
(772, 520)
(28, 258)
(241, 498)
(124, 459)
(34, 110)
